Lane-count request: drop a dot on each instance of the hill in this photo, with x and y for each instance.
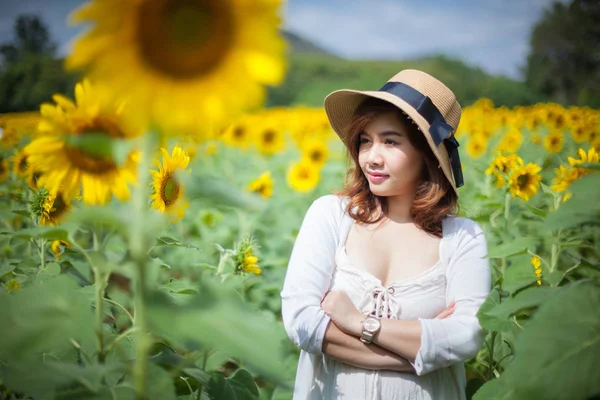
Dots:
(313, 73)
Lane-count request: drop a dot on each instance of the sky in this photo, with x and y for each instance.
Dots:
(490, 34)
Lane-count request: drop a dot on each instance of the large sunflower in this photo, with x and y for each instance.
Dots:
(168, 192)
(65, 166)
(195, 63)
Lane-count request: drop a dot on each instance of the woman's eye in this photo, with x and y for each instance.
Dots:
(363, 140)
(388, 141)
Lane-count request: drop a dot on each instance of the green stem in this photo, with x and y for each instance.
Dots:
(139, 252)
(120, 337)
(121, 307)
(42, 248)
(491, 366)
(101, 281)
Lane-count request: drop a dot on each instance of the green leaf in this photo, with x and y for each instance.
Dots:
(169, 241)
(6, 269)
(516, 247)
(53, 268)
(218, 193)
(42, 317)
(579, 209)
(240, 386)
(531, 297)
(217, 318)
(537, 211)
(518, 274)
(558, 352)
(490, 321)
(101, 145)
(495, 389)
(45, 232)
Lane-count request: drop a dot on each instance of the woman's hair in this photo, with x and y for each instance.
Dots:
(435, 197)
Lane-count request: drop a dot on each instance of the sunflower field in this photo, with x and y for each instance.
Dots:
(147, 221)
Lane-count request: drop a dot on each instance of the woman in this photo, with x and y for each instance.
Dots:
(384, 281)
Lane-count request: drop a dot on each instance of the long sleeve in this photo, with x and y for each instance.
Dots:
(460, 336)
(309, 275)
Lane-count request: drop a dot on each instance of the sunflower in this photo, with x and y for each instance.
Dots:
(554, 141)
(303, 176)
(237, 134)
(14, 127)
(4, 169)
(501, 166)
(168, 193)
(244, 258)
(525, 180)
(262, 185)
(536, 262)
(55, 207)
(268, 139)
(511, 141)
(20, 165)
(58, 246)
(195, 63)
(476, 146)
(315, 152)
(65, 166)
(567, 174)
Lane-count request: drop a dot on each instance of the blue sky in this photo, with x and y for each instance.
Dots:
(491, 34)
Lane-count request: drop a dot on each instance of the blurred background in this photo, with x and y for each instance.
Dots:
(512, 52)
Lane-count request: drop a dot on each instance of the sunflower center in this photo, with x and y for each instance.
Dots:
(554, 141)
(239, 132)
(268, 136)
(185, 39)
(303, 174)
(316, 156)
(22, 165)
(93, 163)
(523, 181)
(2, 168)
(59, 207)
(170, 190)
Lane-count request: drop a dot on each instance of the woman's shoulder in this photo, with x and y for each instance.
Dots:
(330, 203)
(461, 228)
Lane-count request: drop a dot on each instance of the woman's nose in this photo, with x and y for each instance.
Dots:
(375, 156)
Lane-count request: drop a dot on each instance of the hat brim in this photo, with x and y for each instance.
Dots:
(340, 106)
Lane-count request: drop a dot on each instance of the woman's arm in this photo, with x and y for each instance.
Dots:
(342, 341)
(309, 275)
(430, 344)
(350, 350)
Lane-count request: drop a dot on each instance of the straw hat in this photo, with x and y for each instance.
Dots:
(425, 100)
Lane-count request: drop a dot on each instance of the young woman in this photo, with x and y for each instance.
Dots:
(384, 281)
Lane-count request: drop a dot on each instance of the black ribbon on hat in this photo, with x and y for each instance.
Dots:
(440, 130)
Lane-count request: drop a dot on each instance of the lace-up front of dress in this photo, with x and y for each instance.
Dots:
(420, 296)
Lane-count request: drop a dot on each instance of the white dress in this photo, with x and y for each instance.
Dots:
(319, 263)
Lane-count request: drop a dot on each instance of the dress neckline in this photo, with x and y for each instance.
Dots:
(397, 282)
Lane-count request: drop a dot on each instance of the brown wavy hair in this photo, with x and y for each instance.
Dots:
(435, 197)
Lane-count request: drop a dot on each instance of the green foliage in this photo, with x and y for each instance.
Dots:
(311, 77)
(563, 60)
(29, 72)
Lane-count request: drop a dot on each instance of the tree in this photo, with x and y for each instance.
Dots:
(29, 72)
(564, 59)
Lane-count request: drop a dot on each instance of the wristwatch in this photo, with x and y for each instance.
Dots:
(371, 326)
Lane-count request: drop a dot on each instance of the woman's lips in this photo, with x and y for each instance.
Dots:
(376, 178)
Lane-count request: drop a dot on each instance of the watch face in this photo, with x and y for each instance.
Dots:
(371, 324)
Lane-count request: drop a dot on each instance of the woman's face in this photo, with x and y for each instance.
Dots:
(391, 164)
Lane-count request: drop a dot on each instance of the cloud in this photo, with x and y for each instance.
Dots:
(492, 34)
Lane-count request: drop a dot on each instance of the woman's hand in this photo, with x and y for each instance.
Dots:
(338, 306)
(447, 311)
